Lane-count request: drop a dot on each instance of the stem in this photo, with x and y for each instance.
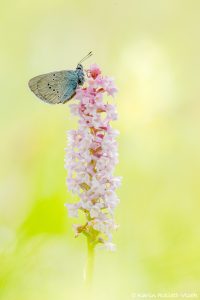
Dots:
(90, 263)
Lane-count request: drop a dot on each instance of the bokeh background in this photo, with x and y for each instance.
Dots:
(152, 49)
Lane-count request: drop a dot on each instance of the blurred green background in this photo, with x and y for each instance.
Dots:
(152, 49)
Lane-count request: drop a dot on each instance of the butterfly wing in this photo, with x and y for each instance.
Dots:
(55, 87)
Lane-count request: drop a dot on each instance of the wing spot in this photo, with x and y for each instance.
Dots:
(53, 90)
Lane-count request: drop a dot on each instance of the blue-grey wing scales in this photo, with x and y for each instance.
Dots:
(55, 87)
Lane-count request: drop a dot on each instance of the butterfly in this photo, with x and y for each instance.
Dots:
(58, 87)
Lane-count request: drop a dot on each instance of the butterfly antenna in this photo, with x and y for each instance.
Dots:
(87, 56)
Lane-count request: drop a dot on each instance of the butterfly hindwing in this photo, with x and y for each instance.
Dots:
(33, 85)
(55, 87)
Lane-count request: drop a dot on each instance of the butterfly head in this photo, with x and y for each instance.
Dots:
(80, 74)
(79, 69)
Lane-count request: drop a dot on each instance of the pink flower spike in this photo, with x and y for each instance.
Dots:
(91, 157)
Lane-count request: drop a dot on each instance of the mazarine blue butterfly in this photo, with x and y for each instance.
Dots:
(58, 87)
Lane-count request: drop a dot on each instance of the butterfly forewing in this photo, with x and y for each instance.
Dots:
(54, 87)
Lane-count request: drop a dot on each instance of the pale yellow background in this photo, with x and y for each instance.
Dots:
(152, 48)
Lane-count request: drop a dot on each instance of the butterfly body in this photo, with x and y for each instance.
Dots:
(57, 87)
